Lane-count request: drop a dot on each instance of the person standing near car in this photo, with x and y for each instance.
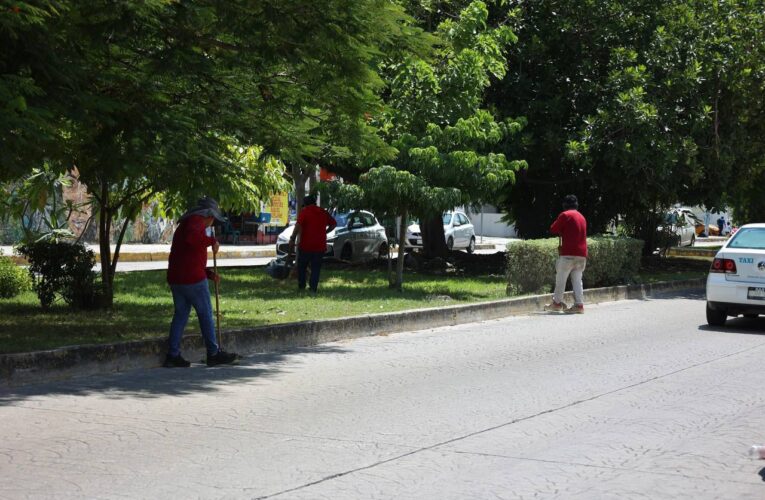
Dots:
(187, 275)
(721, 225)
(571, 227)
(313, 224)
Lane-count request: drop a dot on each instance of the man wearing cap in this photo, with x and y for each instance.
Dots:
(187, 275)
(572, 256)
(312, 226)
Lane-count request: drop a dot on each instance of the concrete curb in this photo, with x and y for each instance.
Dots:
(164, 256)
(222, 255)
(75, 361)
(692, 252)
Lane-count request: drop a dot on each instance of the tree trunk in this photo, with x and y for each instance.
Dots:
(433, 240)
(401, 254)
(104, 233)
(299, 179)
(391, 280)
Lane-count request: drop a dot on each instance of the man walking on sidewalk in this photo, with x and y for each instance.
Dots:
(312, 226)
(187, 275)
(572, 259)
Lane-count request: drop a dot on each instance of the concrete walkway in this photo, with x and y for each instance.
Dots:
(142, 257)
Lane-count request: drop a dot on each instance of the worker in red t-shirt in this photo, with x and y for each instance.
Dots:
(572, 259)
(313, 224)
(187, 275)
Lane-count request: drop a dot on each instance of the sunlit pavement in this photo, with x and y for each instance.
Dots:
(634, 399)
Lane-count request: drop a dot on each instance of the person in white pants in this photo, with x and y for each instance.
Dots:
(571, 226)
(573, 267)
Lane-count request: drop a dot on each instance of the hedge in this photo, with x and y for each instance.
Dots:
(13, 279)
(610, 261)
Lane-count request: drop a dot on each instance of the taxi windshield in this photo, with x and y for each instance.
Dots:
(752, 238)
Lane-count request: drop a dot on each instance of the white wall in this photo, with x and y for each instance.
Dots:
(492, 225)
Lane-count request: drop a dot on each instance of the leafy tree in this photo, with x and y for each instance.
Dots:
(632, 104)
(29, 66)
(184, 98)
(435, 121)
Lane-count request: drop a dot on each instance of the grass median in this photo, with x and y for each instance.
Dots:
(143, 306)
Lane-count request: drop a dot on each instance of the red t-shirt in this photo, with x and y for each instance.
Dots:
(313, 222)
(188, 253)
(573, 228)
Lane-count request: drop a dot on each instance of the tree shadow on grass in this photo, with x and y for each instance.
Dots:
(159, 382)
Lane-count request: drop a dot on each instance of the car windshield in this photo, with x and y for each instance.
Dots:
(342, 219)
(447, 219)
(749, 238)
(673, 218)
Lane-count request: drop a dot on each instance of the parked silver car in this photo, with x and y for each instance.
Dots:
(357, 237)
(458, 232)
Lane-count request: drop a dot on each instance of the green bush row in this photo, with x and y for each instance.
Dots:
(610, 261)
(13, 279)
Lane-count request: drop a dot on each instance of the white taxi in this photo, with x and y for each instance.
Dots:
(736, 282)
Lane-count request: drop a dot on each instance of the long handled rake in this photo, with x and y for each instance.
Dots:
(217, 296)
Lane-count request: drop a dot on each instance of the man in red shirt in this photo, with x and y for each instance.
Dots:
(312, 226)
(572, 230)
(187, 275)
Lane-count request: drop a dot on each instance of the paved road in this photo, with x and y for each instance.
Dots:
(635, 399)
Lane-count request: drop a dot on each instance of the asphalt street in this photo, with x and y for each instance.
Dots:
(634, 399)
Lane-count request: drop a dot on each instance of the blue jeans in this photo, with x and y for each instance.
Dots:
(313, 258)
(185, 297)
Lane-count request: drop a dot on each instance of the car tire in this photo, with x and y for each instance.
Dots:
(383, 251)
(450, 243)
(716, 317)
(693, 241)
(471, 245)
(347, 252)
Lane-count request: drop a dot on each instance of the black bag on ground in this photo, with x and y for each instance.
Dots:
(279, 268)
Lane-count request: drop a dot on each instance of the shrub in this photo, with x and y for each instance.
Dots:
(610, 261)
(13, 279)
(64, 269)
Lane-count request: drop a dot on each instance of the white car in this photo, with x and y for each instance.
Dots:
(358, 237)
(680, 223)
(458, 231)
(736, 282)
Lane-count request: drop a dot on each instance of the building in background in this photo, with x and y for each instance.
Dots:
(487, 221)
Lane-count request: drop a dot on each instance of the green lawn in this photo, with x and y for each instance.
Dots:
(143, 305)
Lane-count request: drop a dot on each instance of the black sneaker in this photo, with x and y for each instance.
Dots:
(175, 362)
(222, 358)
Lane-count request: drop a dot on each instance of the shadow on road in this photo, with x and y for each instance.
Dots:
(747, 326)
(158, 382)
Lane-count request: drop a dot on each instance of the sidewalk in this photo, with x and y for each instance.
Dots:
(160, 252)
(139, 252)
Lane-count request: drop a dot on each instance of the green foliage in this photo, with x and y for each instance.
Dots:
(444, 140)
(531, 263)
(29, 107)
(177, 99)
(64, 270)
(13, 279)
(635, 106)
(35, 201)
